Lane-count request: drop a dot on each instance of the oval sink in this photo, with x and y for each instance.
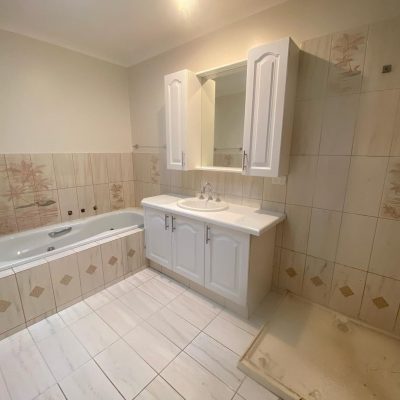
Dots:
(195, 204)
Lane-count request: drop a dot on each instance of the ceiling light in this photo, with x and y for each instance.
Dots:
(186, 7)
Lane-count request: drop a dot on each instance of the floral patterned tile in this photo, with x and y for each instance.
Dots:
(391, 195)
(117, 196)
(44, 177)
(21, 173)
(48, 206)
(8, 225)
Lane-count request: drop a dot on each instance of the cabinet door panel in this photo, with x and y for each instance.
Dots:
(226, 263)
(188, 248)
(158, 237)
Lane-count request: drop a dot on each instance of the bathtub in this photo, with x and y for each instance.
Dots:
(24, 247)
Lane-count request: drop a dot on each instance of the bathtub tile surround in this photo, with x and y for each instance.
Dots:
(35, 290)
(341, 196)
(44, 189)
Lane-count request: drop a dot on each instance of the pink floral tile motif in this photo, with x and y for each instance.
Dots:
(154, 169)
(347, 61)
(391, 196)
(48, 207)
(117, 196)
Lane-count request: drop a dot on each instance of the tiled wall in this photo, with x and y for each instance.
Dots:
(340, 244)
(35, 290)
(43, 189)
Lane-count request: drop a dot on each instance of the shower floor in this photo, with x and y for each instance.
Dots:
(312, 353)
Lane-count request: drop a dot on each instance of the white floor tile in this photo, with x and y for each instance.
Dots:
(54, 393)
(75, 312)
(93, 333)
(63, 353)
(251, 325)
(159, 291)
(173, 327)
(99, 299)
(119, 316)
(46, 327)
(229, 335)
(204, 300)
(24, 370)
(196, 313)
(152, 346)
(219, 360)
(140, 277)
(159, 390)
(126, 370)
(120, 288)
(251, 390)
(176, 286)
(193, 381)
(89, 383)
(141, 303)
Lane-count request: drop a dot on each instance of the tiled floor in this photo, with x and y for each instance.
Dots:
(145, 338)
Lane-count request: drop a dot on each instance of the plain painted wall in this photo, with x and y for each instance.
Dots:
(54, 100)
(300, 19)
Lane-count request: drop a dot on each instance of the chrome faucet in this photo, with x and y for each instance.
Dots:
(62, 231)
(206, 189)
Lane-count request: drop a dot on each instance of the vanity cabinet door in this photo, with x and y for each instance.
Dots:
(158, 237)
(183, 123)
(188, 248)
(226, 263)
(270, 96)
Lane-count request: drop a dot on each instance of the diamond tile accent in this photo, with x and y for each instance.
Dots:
(36, 292)
(4, 304)
(66, 280)
(91, 269)
(380, 302)
(131, 253)
(112, 260)
(291, 272)
(317, 281)
(346, 291)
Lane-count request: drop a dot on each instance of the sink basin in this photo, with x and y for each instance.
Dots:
(195, 204)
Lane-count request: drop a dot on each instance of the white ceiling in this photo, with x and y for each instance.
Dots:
(123, 31)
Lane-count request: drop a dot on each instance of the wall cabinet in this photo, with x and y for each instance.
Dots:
(183, 127)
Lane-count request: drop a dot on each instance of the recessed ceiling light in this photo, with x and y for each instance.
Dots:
(186, 7)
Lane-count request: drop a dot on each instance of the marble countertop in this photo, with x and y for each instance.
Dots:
(249, 220)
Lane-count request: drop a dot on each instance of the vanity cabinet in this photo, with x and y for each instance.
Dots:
(270, 95)
(183, 126)
(226, 262)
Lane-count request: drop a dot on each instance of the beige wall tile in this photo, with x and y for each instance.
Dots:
(44, 176)
(98, 162)
(26, 211)
(82, 169)
(191, 180)
(127, 166)
(6, 201)
(102, 198)
(375, 123)
(177, 178)
(131, 252)
(65, 277)
(19, 169)
(68, 204)
(233, 184)
(113, 263)
(154, 163)
(8, 225)
(141, 167)
(139, 193)
(330, 183)
(291, 270)
(365, 185)
(86, 202)
(300, 186)
(307, 126)
(383, 48)
(11, 314)
(390, 207)
(274, 189)
(217, 180)
(395, 148)
(355, 240)
(340, 117)
(296, 228)
(64, 170)
(253, 187)
(381, 301)
(48, 207)
(347, 290)
(386, 249)
(114, 167)
(90, 268)
(129, 193)
(324, 233)
(117, 196)
(313, 67)
(272, 206)
(36, 290)
(347, 61)
(317, 280)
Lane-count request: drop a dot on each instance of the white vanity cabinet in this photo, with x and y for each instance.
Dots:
(270, 95)
(183, 120)
(226, 262)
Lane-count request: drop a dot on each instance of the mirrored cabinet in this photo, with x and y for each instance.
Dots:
(234, 118)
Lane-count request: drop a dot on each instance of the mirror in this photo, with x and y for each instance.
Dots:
(223, 102)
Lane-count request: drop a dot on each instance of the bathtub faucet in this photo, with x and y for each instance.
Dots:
(61, 232)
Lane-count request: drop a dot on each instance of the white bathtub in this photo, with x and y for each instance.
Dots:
(23, 247)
